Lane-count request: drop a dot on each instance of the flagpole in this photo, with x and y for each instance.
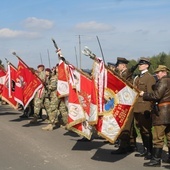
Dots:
(76, 57)
(66, 62)
(10, 63)
(101, 49)
(80, 51)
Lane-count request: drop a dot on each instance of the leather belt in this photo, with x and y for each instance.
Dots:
(164, 104)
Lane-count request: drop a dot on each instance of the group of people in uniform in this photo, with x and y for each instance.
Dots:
(150, 114)
(46, 98)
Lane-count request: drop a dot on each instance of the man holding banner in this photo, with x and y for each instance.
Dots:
(39, 96)
(128, 135)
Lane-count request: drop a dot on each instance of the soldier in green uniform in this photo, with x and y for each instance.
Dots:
(39, 96)
(161, 114)
(143, 121)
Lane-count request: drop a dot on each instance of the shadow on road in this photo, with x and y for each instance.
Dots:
(8, 113)
(71, 133)
(19, 119)
(166, 166)
(106, 156)
(88, 145)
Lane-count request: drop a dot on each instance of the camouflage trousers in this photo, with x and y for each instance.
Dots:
(63, 112)
(38, 103)
(51, 107)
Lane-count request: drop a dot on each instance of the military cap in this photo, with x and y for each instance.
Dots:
(121, 60)
(144, 60)
(48, 69)
(41, 65)
(162, 68)
(111, 64)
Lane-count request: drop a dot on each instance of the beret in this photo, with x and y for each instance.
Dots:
(48, 69)
(41, 65)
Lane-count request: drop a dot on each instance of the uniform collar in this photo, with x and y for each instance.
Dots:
(144, 71)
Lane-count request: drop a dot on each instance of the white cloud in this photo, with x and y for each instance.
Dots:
(35, 23)
(8, 33)
(93, 26)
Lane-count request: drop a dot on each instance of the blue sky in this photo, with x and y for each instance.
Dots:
(125, 28)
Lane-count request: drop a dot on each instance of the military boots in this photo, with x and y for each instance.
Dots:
(167, 160)
(33, 121)
(156, 159)
(48, 127)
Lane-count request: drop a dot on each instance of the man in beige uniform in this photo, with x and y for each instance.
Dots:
(142, 108)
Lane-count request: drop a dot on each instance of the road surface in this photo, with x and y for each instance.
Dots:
(25, 147)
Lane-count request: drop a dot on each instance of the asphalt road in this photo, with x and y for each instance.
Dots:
(25, 147)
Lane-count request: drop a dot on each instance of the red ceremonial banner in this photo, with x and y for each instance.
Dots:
(119, 99)
(2, 78)
(62, 84)
(9, 86)
(27, 84)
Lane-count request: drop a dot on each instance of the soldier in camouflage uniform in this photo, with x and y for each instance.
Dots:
(52, 102)
(39, 96)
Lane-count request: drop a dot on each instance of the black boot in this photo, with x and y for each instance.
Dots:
(156, 159)
(144, 152)
(149, 147)
(167, 160)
